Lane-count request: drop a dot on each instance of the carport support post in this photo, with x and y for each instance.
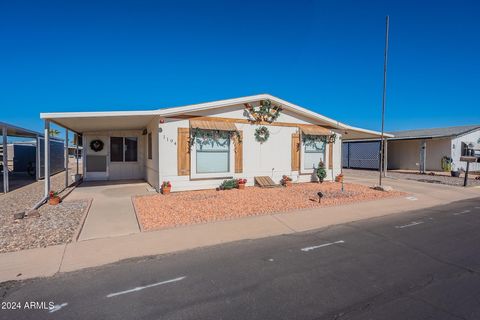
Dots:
(66, 158)
(47, 157)
(5, 160)
(76, 150)
(385, 158)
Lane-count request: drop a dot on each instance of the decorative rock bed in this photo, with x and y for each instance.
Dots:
(190, 207)
(50, 225)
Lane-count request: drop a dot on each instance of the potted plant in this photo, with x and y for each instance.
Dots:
(339, 177)
(454, 172)
(241, 183)
(286, 181)
(53, 198)
(166, 187)
(321, 172)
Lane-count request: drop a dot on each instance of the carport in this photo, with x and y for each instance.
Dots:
(9, 130)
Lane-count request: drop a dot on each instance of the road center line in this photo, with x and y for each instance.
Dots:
(145, 287)
(58, 307)
(321, 246)
(414, 223)
(459, 213)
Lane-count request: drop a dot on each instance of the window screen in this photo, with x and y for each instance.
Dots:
(213, 155)
(130, 148)
(314, 153)
(116, 149)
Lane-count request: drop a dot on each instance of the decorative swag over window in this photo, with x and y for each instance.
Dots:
(211, 140)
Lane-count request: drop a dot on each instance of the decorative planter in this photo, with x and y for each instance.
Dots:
(338, 178)
(54, 201)
(166, 190)
(287, 183)
(241, 186)
(455, 174)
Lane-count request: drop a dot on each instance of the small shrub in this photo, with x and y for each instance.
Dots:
(321, 172)
(229, 184)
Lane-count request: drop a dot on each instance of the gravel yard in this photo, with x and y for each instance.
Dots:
(55, 225)
(190, 207)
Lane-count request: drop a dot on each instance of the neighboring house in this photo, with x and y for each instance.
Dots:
(421, 149)
(197, 146)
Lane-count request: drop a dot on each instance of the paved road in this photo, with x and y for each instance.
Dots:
(417, 265)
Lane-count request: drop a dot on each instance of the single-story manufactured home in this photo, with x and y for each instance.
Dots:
(421, 149)
(197, 146)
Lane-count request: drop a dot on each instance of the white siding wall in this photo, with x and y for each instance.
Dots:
(272, 158)
(472, 137)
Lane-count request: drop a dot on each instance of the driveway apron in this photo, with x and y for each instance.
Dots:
(111, 213)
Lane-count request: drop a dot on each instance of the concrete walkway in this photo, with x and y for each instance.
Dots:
(111, 213)
(97, 252)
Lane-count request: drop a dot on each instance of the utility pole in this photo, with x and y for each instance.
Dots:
(384, 98)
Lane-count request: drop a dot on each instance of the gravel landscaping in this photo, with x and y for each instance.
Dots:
(55, 225)
(190, 207)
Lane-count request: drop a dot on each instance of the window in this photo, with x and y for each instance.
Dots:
(123, 149)
(149, 145)
(116, 149)
(212, 155)
(314, 153)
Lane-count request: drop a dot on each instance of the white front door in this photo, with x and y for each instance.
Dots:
(96, 157)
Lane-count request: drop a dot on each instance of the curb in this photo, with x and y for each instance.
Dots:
(82, 223)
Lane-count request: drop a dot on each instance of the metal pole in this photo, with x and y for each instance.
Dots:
(384, 96)
(385, 159)
(46, 141)
(5, 159)
(76, 150)
(66, 158)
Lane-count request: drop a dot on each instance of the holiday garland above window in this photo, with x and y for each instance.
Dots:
(213, 137)
(312, 140)
(265, 112)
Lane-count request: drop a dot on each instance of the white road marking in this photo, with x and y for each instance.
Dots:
(411, 198)
(414, 223)
(459, 213)
(145, 287)
(477, 207)
(321, 246)
(58, 307)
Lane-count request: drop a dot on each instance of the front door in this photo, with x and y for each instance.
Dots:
(96, 157)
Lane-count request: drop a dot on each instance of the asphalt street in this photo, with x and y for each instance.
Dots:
(416, 265)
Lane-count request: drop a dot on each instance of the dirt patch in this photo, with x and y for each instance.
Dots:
(184, 208)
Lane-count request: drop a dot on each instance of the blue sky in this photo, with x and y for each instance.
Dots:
(324, 55)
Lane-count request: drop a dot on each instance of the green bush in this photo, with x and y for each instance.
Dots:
(320, 172)
(229, 184)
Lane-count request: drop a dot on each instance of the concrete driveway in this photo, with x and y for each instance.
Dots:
(111, 213)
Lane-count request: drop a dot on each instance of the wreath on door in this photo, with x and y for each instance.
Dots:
(262, 134)
(96, 145)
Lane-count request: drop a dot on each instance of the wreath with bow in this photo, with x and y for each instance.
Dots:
(96, 145)
(262, 134)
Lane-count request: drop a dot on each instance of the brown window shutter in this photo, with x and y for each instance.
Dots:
(239, 153)
(183, 151)
(330, 156)
(295, 151)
